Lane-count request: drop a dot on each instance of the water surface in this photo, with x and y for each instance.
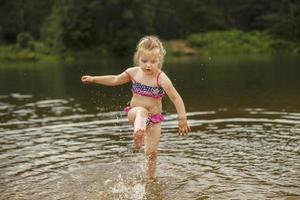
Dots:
(63, 140)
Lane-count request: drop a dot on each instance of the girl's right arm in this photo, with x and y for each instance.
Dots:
(108, 80)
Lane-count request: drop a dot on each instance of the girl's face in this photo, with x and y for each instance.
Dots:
(149, 61)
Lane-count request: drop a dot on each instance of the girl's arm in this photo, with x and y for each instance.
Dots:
(108, 80)
(172, 93)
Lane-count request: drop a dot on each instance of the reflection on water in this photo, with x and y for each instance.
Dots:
(55, 149)
(60, 139)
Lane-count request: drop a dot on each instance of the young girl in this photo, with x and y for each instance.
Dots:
(149, 86)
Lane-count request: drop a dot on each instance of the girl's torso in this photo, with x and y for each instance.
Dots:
(146, 91)
(153, 106)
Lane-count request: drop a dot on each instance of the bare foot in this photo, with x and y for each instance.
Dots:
(138, 140)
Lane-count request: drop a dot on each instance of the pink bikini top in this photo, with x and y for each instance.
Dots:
(145, 90)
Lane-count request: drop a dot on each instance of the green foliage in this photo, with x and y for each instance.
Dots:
(239, 42)
(18, 16)
(25, 40)
(40, 51)
(115, 26)
(284, 19)
(11, 53)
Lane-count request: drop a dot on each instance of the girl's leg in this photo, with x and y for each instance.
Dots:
(152, 138)
(138, 117)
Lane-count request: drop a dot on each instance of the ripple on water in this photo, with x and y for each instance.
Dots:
(68, 153)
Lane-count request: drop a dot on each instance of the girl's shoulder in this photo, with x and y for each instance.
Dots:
(163, 79)
(132, 70)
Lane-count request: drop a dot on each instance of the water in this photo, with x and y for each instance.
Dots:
(64, 140)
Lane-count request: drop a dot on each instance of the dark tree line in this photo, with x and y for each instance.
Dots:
(117, 24)
(18, 16)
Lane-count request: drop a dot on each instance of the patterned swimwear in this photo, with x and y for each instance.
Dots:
(145, 90)
(155, 92)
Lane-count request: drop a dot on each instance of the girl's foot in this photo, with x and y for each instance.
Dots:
(138, 140)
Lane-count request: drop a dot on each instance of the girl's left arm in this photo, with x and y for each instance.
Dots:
(172, 93)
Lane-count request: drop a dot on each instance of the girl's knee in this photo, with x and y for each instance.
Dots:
(137, 111)
(142, 112)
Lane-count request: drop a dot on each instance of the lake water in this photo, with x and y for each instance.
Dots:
(60, 139)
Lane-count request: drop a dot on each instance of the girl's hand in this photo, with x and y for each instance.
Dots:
(183, 127)
(87, 79)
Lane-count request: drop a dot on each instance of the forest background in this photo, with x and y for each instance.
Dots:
(51, 29)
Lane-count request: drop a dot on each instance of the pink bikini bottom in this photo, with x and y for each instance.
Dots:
(152, 119)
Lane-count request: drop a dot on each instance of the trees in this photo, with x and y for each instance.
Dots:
(22, 16)
(116, 25)
(284, 19)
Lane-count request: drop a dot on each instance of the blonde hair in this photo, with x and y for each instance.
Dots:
(150, 43)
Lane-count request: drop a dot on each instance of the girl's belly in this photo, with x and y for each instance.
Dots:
(152, 105)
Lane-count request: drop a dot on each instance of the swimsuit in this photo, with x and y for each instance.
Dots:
(145, 90)
(148, 91)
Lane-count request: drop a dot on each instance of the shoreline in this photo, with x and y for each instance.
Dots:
(232, 42)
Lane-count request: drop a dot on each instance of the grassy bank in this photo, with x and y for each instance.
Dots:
(217, 43)
(239, 42)
(39, 51)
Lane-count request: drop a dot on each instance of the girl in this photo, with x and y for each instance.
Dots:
(149, 85)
